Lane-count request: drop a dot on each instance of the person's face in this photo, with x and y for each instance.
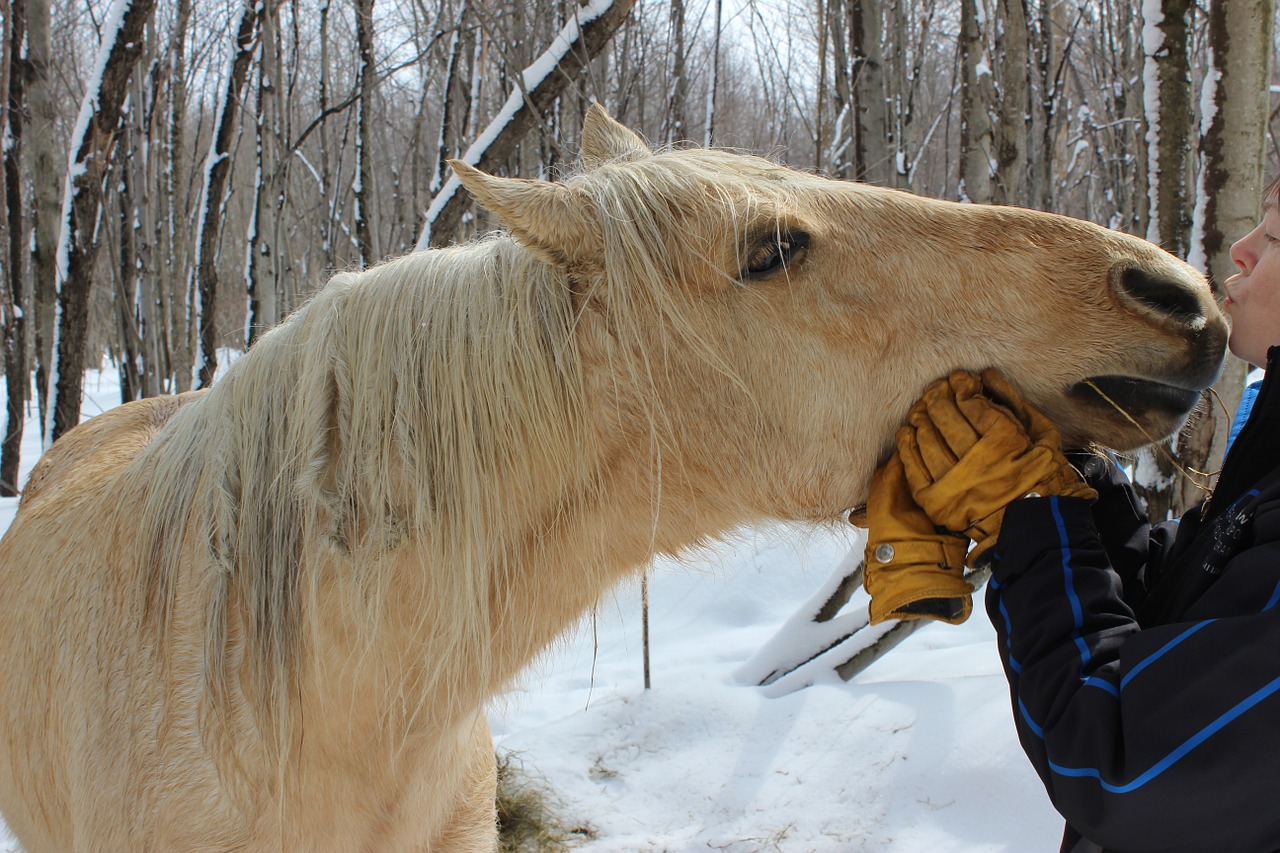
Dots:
(1253, 294)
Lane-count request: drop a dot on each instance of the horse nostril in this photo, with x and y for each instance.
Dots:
(1171, 297)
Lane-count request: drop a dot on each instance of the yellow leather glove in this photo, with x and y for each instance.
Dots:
(967, 457)
(913, 570)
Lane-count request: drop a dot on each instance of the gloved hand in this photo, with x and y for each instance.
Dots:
(967, 456)
(913, 570)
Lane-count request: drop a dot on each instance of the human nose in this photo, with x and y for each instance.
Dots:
(1243, 253)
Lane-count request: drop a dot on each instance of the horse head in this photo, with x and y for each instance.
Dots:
(786, 321)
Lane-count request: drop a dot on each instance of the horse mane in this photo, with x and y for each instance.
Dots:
(435, 400)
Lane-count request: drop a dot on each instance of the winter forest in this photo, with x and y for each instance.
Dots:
(179, 175)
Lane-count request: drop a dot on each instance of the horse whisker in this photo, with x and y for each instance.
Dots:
(1182, 469)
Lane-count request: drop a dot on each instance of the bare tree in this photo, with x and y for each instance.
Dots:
(676, 119)
(365, 81)
(1013, 110)
(260, 269)
(92, 142)
(976, 140)
(872, 159)
(46, 199)
(1166, 45)
(216, 171)
(713, 84)
(13, 237)
(581, 39)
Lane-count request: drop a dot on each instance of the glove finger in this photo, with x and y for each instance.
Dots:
(891, 510)
(915, 470)
(986, 415)
(935, 452)
(1001, 389)
(941, 410)
(964, 384)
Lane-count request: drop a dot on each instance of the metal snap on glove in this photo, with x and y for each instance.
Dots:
(913, 569)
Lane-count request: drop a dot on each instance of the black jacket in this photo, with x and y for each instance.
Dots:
(1144, 662)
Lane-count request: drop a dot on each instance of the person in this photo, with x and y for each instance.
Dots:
(1143, 661)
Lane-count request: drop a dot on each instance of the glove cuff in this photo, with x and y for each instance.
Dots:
(935, 594)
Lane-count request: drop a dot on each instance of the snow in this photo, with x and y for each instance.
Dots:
(1208, 112)
(915, 755)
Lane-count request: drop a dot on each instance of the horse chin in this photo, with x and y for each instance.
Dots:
(1125, 412)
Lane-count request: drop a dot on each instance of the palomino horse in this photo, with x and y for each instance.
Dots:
(268, 616)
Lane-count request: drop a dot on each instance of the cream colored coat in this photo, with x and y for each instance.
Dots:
(268, 616)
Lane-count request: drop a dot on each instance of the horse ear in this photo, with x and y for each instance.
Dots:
(556, 221)
(605, 140)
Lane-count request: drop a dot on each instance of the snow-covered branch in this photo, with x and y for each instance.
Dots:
(581, 39)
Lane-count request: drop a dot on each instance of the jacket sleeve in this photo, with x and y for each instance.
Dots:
(1131, 542)
(1159, 739)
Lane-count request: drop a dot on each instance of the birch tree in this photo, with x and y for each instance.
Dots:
(217, 167)
(92, 142)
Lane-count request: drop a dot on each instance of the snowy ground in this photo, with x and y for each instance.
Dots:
(916, 755)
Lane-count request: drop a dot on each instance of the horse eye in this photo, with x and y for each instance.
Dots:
(774, 253)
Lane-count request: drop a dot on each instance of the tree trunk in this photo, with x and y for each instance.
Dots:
(1013, 115)
(873, 161)
(713, 84)
(820, 100)
(13, 226)
(217, 169)
(91, 148)
(1047, 70)
(1231, 180)
(1166, 47)
(365, 76)
(261, 284)
(975, 104)
(174, 299)
(842, 83)
(131, 344)
(678, 87)
(46, 200)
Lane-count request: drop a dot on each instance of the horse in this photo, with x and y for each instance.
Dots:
(268, 615)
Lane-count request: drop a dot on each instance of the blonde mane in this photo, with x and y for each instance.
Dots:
(436, 399)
